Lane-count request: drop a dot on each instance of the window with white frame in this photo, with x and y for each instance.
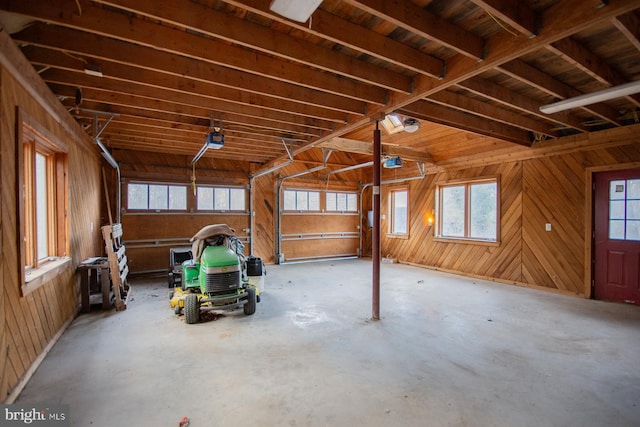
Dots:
(468, 210)
(301, 200)
(399, 212)
(341, 202)
(143, 196)
(220, 199)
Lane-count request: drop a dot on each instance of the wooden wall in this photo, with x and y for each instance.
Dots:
(29, 323)
(149, 236)
(547, 184)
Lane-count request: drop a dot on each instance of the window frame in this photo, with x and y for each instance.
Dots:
(157, 183)
(32, 139)
(336, 193)
(221, 187)
(467, 183)
(391, 209)
(307, 210)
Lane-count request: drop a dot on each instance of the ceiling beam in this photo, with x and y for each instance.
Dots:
(629, 25)
(92, 47)
(331, 27)
(119, 92)
(457, 119)
(198, 18)
(158, 110)
(561, 20)
(408, 15)
(582, 58)
(97, 20)
(524, 72)
(481, 108)
(145, 82)
(516, 14)
(525, 104)
(363, 147)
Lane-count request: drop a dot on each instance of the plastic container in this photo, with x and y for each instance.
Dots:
(254, 266)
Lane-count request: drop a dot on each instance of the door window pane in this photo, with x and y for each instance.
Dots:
(616, 209)
(617, 190)
(633, 230)
(616, 229)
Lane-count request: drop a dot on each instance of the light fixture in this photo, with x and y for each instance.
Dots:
(297, 10)
(411, 125)
(592, 98)
(392, 123)
(93, 70)
(214, 139)
(393, 162)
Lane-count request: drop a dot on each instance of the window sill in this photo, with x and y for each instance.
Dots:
(467, 241)
(36, 277)
(398, 236)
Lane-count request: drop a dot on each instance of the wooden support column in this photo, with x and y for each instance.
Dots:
(375, 238)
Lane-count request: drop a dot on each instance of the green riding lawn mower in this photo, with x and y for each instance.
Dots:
(218, 277)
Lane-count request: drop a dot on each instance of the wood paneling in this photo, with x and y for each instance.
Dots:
(308, 236)
(148, 238)
(548, 186)
(30, 322)
(264, 207)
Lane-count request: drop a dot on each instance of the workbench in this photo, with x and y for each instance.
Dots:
(95, 283)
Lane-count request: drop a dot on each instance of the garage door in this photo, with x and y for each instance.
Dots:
(317, 224)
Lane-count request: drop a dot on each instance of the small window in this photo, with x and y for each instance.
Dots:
(220, 199)
(399, 212)
(156, 197)
(341, 202)
(296, 200)
(468, 210)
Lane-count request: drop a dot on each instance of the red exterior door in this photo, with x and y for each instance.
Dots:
(617, 236)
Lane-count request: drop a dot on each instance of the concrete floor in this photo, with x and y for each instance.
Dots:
(449, 351)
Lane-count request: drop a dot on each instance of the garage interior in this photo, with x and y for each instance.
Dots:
(449, 187)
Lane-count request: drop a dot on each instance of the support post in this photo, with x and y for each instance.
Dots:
(375, 238)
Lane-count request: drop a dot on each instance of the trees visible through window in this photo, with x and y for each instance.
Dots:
(156, 197)
(468, 210)
(399, 210)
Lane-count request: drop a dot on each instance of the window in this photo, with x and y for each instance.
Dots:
(42, 202)
(156, 197)
(624, 209)
(341, 202)
(468, 210)
(399, 212)
(220, 199)
(295, 200)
